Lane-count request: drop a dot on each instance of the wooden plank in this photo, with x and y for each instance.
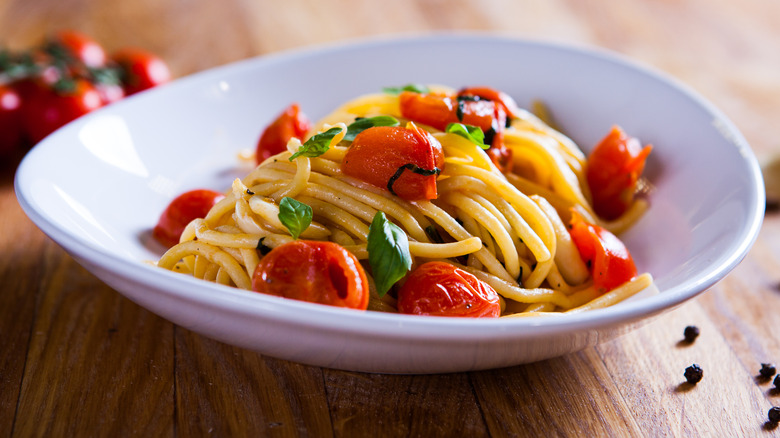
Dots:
(227, 391)
(383, 405)
(572, 395)
(649, 365)
(98, 365)
(19, 273)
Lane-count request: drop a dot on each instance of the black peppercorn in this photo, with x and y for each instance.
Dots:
(693, 374)
(774, 415)
(691, 333)
(777, 382)
(767, 370)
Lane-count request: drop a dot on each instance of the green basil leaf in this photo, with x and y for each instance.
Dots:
(388, 253)
(295, 215)
(470, 133)
(316, 145)
(360, 125)
(414, 88)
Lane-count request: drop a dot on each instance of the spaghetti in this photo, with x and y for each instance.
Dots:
(502, 211)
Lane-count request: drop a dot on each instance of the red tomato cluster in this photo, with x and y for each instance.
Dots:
(67, 76)
(483, 107)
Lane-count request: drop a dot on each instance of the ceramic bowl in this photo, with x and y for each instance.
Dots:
(98, 185)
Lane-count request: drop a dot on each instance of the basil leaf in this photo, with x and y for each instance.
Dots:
(295, 215)
(388, 253)
(414, 88)
(316, 145)
(360, 125)
(470, 133)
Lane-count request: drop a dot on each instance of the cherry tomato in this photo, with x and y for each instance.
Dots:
(435, 110)
(605, 255)
(378, 156)
(141, 70)
(110, 93)
(10, 119)
(441, 289)
(504, 100)
(290, 123)
(482, 107)
(614, 167)
(181, 211)
(313, 271)
(81, 47)
(47, 109)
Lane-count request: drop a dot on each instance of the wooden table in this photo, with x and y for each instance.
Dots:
(78, 359)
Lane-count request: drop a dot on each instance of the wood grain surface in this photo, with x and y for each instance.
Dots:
(78, 359)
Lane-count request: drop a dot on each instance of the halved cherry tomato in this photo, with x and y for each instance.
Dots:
(605, 255)
(48, 109)
(613, 169)
(141, 70)
(313, 271)
(406, 161)
(441, 289)
(81, 47)
(290, 123)
(181, 211)
(10, 119)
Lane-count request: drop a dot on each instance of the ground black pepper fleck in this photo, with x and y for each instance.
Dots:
(767, 370)
(774, 415)
(691, 333)
(693, 374)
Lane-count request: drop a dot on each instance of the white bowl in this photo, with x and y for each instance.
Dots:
(98, 185)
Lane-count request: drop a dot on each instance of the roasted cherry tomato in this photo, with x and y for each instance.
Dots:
(313, 271)
(10, 119)
(605, 255)
(48, 109)
(441, 289)
(81, 47)
(506, 102)
(181, 211)
(406, 161)
(141, 70)
(613, 169)
(290, 123)
(482, 107)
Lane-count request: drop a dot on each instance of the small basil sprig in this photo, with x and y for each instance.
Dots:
(414, 88)
(316, 145)
(470, 133)
(388, 253)
(361, 124)
(295, 215)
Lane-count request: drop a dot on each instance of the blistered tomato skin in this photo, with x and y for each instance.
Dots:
(181, 211)
(607, 258)
(291, 123)
(378, 154)
(614, 167)
(442, 289)
(313, 271)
